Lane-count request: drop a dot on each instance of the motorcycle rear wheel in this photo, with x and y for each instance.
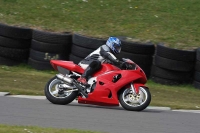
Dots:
(132, 102)
(52, 94)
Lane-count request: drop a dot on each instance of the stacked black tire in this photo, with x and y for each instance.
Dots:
(46, 46)
(140, 53)
(83, 46)
(14, 44)
(196, 81)
(173, 66)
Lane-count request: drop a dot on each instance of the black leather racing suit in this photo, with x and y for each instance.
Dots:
(94, 60)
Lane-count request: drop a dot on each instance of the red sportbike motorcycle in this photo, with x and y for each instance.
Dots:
(110, 86)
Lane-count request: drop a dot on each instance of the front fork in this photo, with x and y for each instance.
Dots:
(135, 88)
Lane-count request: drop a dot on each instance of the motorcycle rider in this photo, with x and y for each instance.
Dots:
(104, 54)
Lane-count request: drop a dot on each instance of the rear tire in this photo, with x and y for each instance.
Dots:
(135, 103)
(56, 98)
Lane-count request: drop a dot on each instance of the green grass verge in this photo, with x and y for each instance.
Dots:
(35, 129)
(24, 80)
(176, 23)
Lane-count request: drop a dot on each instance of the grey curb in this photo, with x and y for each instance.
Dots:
(4, 93)
(158, 108)
(28, 96)
(190, 111)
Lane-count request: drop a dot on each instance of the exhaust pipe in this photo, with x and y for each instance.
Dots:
(64, 78)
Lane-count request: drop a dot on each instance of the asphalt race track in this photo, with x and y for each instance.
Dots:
(40, 112)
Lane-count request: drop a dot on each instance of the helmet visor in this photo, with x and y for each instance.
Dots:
(117, 48)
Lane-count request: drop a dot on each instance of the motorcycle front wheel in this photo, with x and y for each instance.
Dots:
(56, 95)
(135, 102)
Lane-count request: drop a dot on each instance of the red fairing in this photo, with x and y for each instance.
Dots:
(66, 64)
(105, 87)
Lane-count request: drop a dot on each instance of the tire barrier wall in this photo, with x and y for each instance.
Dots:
(161, 64)
(196, 82)
(172, 66)
(46, 46)
(14, 44)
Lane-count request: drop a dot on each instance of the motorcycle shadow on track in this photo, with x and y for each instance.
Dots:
(74, 104)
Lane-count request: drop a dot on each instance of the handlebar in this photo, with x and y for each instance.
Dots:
(129, 64)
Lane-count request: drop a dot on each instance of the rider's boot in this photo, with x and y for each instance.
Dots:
(83, 81)
(84, 76)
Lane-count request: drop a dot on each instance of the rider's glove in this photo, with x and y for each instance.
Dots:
(123, 65)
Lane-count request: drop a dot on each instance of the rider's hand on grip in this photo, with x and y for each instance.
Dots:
(123, 65)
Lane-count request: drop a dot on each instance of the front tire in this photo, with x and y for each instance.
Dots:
(132, 102)
(51, 91)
